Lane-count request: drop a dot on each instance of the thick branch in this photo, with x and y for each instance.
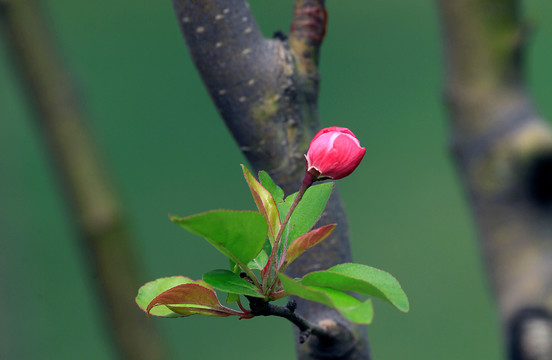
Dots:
(269, 103)
(504, 151)
(332, 340)
(88, 190)
(308, 27)
(251, 80)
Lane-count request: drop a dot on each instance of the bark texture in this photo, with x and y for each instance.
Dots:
(503, 149)
(266, 91)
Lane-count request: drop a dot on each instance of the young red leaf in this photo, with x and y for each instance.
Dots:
(270, 185)
(191, 299)
(306, 241)
(150, 290)
(265, 203)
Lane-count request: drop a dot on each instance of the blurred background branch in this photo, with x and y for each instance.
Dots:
(96, 209)
(503, 150)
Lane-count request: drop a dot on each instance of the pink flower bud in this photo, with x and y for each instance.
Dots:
(333, 154)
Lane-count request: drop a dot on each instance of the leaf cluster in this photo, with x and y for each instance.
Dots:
(260, 245)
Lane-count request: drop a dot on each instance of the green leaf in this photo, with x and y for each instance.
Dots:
(308, 211)
(230, 297)
(190, 299)
(234, 267)
(362, 279)
(240, 235)
(270, 185)
(267, 247)
(351, 308)
(228, 281)
(306, 241)
(265, 203)
(259, 262)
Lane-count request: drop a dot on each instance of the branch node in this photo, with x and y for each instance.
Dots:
(304, 335)
(291, 305)
(260, 307)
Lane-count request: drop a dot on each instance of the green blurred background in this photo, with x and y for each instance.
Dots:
(168, 151)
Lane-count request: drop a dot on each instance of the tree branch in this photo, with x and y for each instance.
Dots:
(504, 153)
(260, 307)
(267, 95)
(88, 190)
(248, 78)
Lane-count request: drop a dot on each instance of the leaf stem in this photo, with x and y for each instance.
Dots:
(307, 182)
(245, 311)
(249, 273)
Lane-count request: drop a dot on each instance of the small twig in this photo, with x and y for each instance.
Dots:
(263, 308)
